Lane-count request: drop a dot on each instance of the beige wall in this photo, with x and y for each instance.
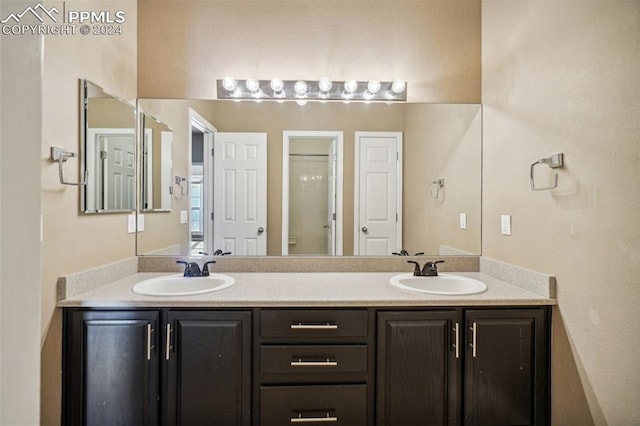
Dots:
(20, 135)
(73, 241)
(442, 141)
(434, 45)
(563, 77)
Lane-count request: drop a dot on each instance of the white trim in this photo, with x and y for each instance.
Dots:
(338, 137)
(356, 187)
(202, 124)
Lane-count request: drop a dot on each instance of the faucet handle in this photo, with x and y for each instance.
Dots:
(205, 268)
(416, 269)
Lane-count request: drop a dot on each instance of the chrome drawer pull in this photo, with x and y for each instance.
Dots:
(325, 326)
(301, 363)
(300, 419)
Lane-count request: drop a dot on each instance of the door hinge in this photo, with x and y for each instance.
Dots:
(334, 216)
(396, 217)
(397, 156)
(211, 215)
(103, 155)
(212, 152)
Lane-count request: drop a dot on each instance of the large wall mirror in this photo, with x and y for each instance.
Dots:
(108, 148)
(434, 183)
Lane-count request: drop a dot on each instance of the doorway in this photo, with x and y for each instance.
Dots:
(377, 193)
(312, 193)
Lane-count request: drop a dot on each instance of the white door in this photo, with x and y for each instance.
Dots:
(378, 193)
(240, 193)
(117, 154)
(331, 202)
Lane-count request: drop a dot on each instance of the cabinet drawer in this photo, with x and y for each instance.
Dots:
(319, 325)
(311, 362)
(335, 404)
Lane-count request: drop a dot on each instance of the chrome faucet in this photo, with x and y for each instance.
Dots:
(430, 269)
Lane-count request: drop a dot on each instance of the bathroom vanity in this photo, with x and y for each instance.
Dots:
(338, 348)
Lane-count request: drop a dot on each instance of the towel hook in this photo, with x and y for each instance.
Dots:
(439, 184)
(554, 162)
(61, 156)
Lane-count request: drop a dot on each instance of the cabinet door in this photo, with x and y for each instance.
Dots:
(506, 367)
(208, 368)
(418, 379)
(111, 368)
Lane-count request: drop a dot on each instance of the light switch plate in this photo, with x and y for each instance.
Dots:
(505, 224)
(184, 218)
(131, 223)
(463, 221)
(140, 223)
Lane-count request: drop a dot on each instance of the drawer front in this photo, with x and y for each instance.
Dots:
(309, 405)
(306, 360)
(316, 324)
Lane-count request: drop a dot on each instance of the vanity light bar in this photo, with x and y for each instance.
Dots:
(306, 90)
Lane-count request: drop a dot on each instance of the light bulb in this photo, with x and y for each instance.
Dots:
(229, 84)
(300, 88)
(277, 85)
(325, 84)
(252, 85)
(398, 86)
(301, 102)
(350, 86)
(373, 86)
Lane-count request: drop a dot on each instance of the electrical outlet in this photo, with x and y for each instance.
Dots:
(463, 221)
(131, 223)
(505, 224)
(140, 227)
(184, 217)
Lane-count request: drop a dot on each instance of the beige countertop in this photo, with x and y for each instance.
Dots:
(308, 289)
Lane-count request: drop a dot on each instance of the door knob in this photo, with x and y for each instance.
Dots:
(364, 229)
(260, 230)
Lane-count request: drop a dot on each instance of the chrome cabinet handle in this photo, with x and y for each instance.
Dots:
(457, 344)
(364, 229)
(474, 335)
(301, 363)
(149, 345)
(300, 419)
(326, 326)
(168, 346)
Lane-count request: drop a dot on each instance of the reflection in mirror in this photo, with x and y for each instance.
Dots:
(439, 141)
(156, 165)
(312, 193)
(108, 149)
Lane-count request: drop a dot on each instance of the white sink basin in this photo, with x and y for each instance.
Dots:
(444, 284)
(178, 285)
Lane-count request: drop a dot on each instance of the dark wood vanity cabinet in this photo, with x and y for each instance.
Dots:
(313, 366)
(507, 367)
(207, 368)
(418, 369)
(111, 368)
(270, 367)
(432, 370)
(150, 367)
